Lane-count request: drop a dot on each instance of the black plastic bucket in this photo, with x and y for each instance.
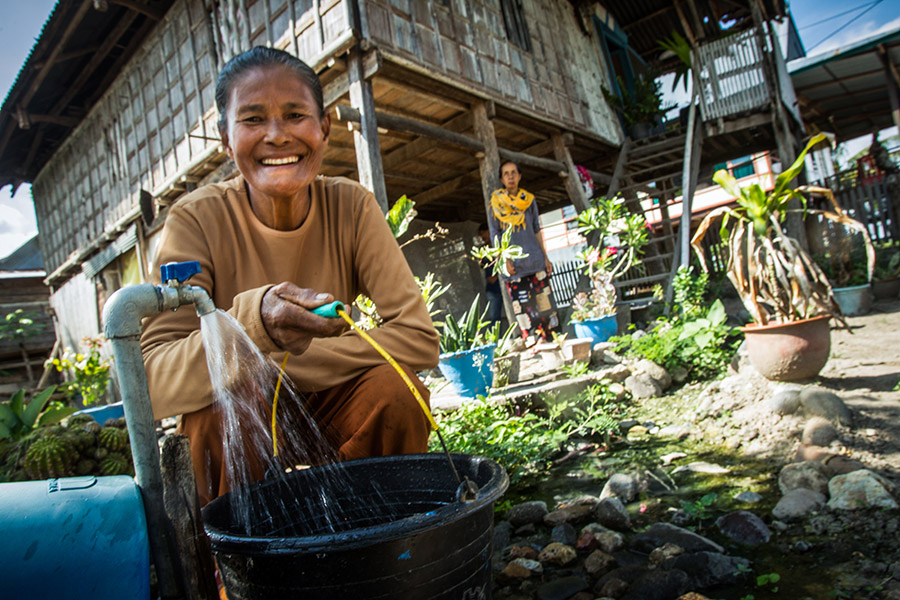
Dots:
(394, 530)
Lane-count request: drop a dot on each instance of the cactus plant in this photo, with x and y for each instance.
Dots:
(113, 438)
(48, 457)
(114, 464)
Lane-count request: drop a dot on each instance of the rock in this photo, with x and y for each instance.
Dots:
(557, 554)
(572, 512)
(526, 512)
(744, 527)
(615, 374)
(664, 553)
(516, 551)
(679, 374)
(692, 596)
(785, 400)
(610, 541)
(860, 489)
(519, 569)
(657, 372)
(818, 431)
(809, 474)
(564, 534)
(611, 358)
(619, 392)
(748, 497)
(613, 588)
(562, 589)
(641, 385)
(610, 512)
(659, 534)
(623, 486)
(598, 562)
(502, 534)
(841, 465)
(707, 569)
(659, 585)
(798, 503)
(702, 467)
(826, 404)
(586, 542)
(667, 459)
(677, 432)
(624, 426)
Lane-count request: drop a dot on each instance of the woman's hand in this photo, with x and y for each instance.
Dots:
(510, 267)
(286, 315)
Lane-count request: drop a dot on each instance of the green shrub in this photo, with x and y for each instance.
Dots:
(524, 440)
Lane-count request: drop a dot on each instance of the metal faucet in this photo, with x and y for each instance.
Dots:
(122, 317)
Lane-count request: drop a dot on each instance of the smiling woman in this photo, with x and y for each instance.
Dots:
(274, 243)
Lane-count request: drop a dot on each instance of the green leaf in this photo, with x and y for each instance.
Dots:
(400, 215)
(789, 174)
(37, 404)
(5, 431)
(724, 178)
(17, 402)
(55, 415)
(716, 314)
(8, 417)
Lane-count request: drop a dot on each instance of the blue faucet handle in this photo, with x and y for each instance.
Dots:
(180, 271)
(329, 310)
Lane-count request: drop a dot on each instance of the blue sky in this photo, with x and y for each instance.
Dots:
(824, 25)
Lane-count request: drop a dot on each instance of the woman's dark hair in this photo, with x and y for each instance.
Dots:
(503, 164)
(258, 57)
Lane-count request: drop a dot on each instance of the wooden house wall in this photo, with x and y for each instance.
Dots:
(158, 119)
(466, 42)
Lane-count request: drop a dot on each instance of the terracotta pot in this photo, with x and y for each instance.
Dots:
(789, 351)
(886, 288)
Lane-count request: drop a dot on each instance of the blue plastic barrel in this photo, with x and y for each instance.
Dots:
(75, 538)
(102, 413)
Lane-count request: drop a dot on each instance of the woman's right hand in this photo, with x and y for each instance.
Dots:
(510, 267)
(286, 315)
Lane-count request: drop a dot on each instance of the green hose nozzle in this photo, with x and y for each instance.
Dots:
(329, 310)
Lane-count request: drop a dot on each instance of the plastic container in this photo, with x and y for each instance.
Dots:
(102, 413)
(854, 300)
(75, 538)
(599, 330)
(469, 371)
(387, 528)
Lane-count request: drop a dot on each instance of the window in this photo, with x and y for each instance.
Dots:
(514, 20)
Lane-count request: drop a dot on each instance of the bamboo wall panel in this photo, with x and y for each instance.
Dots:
(159, 118)
(466, 40)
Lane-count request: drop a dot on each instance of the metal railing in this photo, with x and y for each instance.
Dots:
(564, 281)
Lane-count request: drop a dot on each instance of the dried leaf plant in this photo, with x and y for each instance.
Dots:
(777, 280)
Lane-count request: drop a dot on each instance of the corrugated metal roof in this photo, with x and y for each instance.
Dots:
(846, 90)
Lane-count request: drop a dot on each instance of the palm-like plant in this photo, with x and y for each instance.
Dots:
(775, 277)
(464, 333)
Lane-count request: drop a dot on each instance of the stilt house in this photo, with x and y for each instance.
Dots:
(112, 117)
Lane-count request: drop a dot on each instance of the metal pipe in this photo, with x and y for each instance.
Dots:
(122, 316)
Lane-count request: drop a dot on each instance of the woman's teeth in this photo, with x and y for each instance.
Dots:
(274, 162)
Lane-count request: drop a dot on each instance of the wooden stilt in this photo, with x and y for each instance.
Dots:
(365, 138)
(573, 184)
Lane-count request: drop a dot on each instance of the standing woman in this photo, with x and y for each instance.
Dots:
(273, 243)
(528, 281)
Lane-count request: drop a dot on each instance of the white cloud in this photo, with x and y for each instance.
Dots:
(854, 34)
(17, 221)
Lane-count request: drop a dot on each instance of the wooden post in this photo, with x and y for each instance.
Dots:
(692, 149)
(180, 498)
(489, 168)
(365, 138)
(619, 169)
(573, 183)
(893, 83)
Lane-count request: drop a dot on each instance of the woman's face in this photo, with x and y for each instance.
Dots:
(274, 133)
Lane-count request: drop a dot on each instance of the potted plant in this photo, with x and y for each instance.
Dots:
(787, 294)
(594, 313)
(466, 356)
(507, 361)
(886, 277)
(641, 109)
(845, 264)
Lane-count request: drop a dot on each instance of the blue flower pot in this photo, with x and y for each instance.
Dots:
(599, 329)
(469, 371)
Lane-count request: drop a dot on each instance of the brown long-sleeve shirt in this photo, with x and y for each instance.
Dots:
(344, 247)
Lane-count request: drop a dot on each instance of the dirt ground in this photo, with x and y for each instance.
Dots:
(864, 370)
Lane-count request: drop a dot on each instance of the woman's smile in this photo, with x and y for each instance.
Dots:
(277, 139)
